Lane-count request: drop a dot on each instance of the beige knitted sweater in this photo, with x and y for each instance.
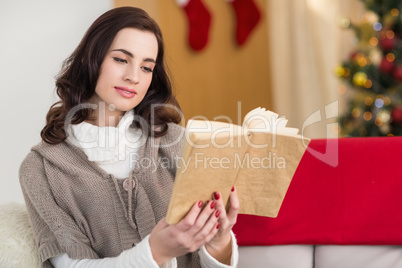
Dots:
(75, 207)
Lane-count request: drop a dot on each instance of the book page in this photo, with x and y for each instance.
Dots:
(270, 162)
(266, 172)
(210, 154)
(262, 120)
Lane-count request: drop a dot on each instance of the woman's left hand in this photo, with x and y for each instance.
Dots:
(220, 246)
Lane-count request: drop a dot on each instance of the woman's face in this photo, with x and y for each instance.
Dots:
(126, 71)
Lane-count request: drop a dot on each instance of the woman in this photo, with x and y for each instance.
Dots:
(90, 201)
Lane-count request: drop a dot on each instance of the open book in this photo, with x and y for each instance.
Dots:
(259, 158)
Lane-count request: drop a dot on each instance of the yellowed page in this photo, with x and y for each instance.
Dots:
(266, 172)
(204, 171)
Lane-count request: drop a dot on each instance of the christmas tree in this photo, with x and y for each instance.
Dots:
(373, 73)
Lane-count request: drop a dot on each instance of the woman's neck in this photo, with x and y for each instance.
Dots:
(104, 115)
(108, 121)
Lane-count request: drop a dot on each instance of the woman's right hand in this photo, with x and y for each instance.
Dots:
(198, 227)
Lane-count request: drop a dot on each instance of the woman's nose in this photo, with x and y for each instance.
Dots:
(132, 75)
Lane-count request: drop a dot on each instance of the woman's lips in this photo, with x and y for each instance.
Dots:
(126, 92)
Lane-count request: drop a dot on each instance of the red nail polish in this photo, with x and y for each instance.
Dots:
(217, 226)
(217, 213)
(213, 204)
(233, 188)
(216, 195)
(199, 204)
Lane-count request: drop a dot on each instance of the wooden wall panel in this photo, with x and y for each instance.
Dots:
(211, 82)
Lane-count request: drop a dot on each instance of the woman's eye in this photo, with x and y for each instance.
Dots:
(119, 60)
(147, 69)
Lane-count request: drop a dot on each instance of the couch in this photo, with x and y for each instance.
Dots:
(342, 210)
(17, 245)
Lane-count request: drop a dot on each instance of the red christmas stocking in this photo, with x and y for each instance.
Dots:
(199, 21)
(248, 16)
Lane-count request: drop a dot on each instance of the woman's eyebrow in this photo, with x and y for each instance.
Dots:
(149, 60)
(128, 53)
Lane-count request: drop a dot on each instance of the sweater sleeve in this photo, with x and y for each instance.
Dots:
(207, 261)
(138, 256)
(51, 225)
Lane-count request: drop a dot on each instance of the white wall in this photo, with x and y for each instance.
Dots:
(35, 38)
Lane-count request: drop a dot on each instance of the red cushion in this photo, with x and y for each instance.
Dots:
(358, 202)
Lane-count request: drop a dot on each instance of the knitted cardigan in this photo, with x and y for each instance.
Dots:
(75, 207)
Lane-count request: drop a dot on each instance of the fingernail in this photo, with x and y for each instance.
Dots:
(199, 204)
(216, 195)
(217, 213)
(213, 204)
(233, 188)
(217, 226)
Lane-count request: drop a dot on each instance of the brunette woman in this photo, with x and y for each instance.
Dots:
(92, 201)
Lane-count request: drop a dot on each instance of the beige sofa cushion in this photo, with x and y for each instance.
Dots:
(17, 245)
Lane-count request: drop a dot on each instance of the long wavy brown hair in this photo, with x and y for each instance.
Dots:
(77, 79)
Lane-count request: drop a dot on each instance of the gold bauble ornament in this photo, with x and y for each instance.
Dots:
(359, 79)
(340, 71)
